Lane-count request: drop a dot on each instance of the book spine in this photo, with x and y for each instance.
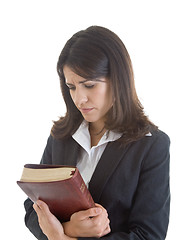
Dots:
(84, 192)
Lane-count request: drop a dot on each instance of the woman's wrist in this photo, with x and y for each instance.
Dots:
(68, 238)
(67, 230)
(62, 237)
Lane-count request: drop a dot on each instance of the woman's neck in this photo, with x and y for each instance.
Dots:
(96, 133)
(96, 127)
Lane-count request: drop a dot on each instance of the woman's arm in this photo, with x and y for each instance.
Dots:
(149, 214)
(31, 218)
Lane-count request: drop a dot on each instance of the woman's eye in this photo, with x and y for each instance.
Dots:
(71, 87)
(89, 86)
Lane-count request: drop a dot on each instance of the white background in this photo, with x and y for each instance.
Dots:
(32, 34)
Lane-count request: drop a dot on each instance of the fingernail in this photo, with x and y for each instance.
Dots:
(38, 204)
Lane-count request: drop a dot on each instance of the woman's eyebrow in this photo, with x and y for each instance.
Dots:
(84, 81)
(87, 80)
(92, 80)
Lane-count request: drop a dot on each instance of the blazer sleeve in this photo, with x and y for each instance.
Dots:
(31, 219)
(149, 215)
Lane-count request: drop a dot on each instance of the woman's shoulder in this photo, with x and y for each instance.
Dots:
(157, 142)
(160, 137)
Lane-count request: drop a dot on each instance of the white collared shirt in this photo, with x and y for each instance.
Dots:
(90, 156)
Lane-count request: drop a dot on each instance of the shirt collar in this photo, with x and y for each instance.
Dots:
(82, 136)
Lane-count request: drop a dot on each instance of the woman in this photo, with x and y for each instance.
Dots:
(121, 154)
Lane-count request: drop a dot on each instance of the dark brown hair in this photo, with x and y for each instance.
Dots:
(98, 52)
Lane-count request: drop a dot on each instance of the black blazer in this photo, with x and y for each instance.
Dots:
(131, 182)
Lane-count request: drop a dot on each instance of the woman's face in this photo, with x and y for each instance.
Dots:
(92, 97)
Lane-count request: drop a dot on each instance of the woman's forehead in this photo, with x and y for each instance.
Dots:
(71, 76)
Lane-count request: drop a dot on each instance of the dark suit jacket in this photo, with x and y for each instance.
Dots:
(131, 182)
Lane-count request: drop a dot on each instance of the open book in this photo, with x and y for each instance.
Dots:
(60, 187)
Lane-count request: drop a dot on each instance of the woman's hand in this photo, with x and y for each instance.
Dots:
(49, 224)
(93, 222)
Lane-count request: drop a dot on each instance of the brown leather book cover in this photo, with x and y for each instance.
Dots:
(64, 197)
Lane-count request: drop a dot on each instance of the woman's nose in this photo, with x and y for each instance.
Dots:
(80, 98)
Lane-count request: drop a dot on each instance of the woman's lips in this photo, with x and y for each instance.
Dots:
(86, 110)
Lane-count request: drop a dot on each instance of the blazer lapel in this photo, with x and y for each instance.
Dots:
(71, 152)
(110, 159)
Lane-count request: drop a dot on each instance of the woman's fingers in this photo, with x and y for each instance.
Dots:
(49, 224)
(92, 212)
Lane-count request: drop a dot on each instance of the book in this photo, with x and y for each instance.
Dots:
(62, 188)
